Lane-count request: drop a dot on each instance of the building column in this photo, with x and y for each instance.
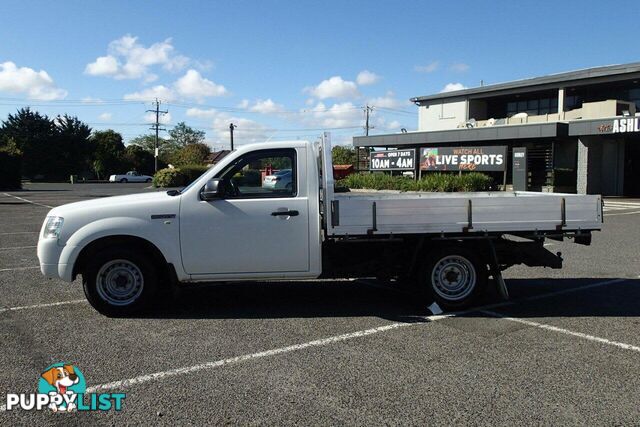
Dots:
(583, 166)
(561, 103)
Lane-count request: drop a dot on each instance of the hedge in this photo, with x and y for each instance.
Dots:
(10, 170)
(178, 177)
(168, 178)
(432, 182)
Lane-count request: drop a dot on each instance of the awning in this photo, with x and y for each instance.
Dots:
(488, 133)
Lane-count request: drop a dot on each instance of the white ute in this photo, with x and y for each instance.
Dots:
(227, 226)
(131, 176)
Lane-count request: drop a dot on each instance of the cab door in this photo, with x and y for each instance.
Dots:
(260, 226)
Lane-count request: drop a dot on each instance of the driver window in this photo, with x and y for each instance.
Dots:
(264, 173)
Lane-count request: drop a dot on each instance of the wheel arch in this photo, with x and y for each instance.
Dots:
(122, 240)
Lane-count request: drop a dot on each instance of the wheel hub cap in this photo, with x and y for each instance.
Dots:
(119, 282)
(453, 278)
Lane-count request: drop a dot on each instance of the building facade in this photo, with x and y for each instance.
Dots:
(580, 129)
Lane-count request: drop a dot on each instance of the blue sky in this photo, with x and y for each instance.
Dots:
(284, 70)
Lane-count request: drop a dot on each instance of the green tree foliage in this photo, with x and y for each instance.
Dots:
(191, 154)
(139, 159)
(74, 149)
(108, 153)
(51, 149)
(166, 148)
(183, 135)
(342, 155)
(34, 135)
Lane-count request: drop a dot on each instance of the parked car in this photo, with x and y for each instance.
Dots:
(279, 180)
(131, 176)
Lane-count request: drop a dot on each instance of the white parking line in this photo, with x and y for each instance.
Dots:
(36, 306)
(563, 331)
(348, 336)
(17, 268)
(28, 201)
(17, 247)
(626, 213)
(19, 232)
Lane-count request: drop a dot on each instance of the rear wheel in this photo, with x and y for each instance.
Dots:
(119, 282)
(453, 277)
(148, 180)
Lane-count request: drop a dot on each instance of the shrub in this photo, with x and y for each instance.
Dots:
(192, 172)
(169, 178)
(431, 182)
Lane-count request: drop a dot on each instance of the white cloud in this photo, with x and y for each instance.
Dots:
(387, 101)
(190, 86)
(244, 104)
(247, 131)
(344, 114)
(450, 87)
(366, 77)
(429, 68)
(103, 66)
(266, 106)
(193, 85)
(23, 80)
(335, 87)
(162, 118)
(161, 92)
(105, 117)
(128, 59)
(393, 125)
(459, 67)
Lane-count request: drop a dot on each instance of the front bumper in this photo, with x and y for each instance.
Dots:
(49, 254)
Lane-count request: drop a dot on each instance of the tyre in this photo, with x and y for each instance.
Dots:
(124, 180)
(119, 281)
(453, 277)
(148, 180)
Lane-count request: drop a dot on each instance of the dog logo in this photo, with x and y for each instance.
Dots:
(65, 380)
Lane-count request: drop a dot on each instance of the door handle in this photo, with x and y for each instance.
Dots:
(285, 213)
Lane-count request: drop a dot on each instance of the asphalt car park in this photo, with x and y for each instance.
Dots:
(564, 349)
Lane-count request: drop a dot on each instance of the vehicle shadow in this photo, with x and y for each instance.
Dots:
(530, 298)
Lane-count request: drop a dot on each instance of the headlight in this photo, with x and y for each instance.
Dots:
(52, 227)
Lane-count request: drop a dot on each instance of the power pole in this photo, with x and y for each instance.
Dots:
(367, 110)
(156, 126)
(231, 128)
(367, 126)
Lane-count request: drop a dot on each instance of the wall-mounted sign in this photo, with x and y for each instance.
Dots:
(463, 158)
(393, 160)
(630, 124)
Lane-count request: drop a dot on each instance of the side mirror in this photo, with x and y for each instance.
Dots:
(214, 189)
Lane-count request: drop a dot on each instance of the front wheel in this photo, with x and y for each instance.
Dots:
(124, 180)
(453, 277)
(119, 282)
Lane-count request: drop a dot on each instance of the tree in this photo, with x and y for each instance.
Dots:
(342, 155)
(108, 151)
(191, 154)
(74, 149)
(183, 135)
(166, 148)
(34, 135)
(139, 159)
